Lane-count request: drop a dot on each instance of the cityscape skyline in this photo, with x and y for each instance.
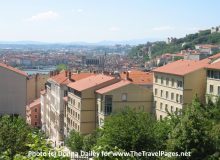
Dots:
(95, 21)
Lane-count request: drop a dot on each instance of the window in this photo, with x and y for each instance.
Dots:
(108, 104)
(167, 95)
(155, 104)
(35, 123)
(218, 90)
(179, 84)
(173, 82)
(124, 97)
(161, 106)
(172, 96)
(211, 89)
(161, 93)
(166, 106)
(65, 93)
(181, 98)
(161, 80)
(35, 116)
(171, 108)
(177, 98)
(156, 79)
(79, 104)
(35, 110)
(155, 91)
(167, 81)
(161, 117)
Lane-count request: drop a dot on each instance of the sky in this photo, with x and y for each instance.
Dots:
(98, 20)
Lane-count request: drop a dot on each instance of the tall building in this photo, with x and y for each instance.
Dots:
(13, 90)
(53, 104)
(175, 85)
(81, 108)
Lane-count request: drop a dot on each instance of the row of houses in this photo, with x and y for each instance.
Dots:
(82, 101)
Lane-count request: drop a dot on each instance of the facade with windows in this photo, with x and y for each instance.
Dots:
(81, 106)
(176, 84)
(122, 95)
(213, 81)
(33, 113)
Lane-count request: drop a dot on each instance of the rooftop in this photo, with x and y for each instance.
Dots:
(183, 67)
(90, 82)
(113, 86)
(63, 78)
(138, 77)
(34, 103)
(13, 69)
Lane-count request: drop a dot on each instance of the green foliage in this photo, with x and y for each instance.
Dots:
(129, 130)
(74, 141)
(187, 42)
(61, 67)
(192, 133)
(89, 141)
(17, 139)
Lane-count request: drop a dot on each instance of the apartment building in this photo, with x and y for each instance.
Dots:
(53, 104)
(81, 108)
(213, 80)
(33, 113)
(176, 83)
(13, 90)
(119, 96)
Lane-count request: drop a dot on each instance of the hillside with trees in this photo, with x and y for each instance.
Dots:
(187, 42)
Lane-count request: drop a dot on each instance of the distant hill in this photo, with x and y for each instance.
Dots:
(176, 45)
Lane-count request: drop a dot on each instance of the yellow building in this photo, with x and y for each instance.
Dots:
(176, 84)
(81, 108)
(116, 97)
(213, 79)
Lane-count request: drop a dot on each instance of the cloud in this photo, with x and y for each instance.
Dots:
(44, 16)
(163, 28)
(114, 29)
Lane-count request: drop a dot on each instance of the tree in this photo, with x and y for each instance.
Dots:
(192, 133)
(17, 139)
(61, 67)
(89, 141)
(129, 131)
(74, 141)
(13, 135)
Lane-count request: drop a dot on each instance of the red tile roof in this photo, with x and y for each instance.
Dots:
(183, 67)
(114, 86)
(138, 77)
(90, 82)
(14, 69)
(61, 78)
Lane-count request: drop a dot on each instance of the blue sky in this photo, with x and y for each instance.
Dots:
(97, 20)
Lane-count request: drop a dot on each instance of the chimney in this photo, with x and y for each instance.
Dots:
(127, 75)
(69, 75)
(66, 73)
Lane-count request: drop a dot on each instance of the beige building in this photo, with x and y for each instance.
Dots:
(13, 90)
(53, 104)
(118, 96)
(35, 84)
(81, 108)
(213, 80)
(176, 84)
